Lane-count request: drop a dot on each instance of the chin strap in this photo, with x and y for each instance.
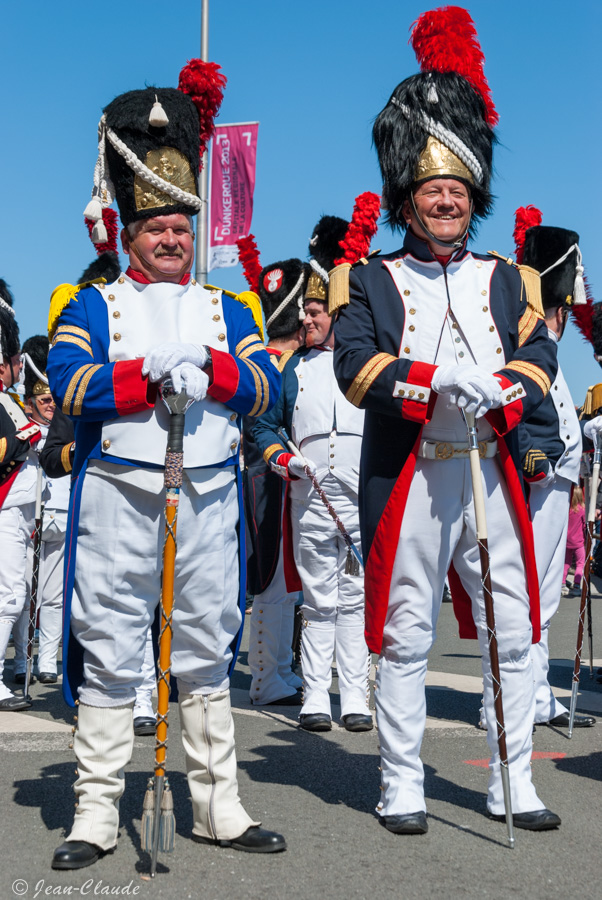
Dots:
(455, 244)
(145, 262)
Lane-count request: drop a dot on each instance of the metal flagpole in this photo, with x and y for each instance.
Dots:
(203, 217)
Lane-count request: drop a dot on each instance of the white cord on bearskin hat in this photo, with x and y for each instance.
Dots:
(579, 295)
(318, 269)
(447, 137)
(36, 371)
(286, 301)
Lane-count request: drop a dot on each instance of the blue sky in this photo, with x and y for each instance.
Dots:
(314, 75)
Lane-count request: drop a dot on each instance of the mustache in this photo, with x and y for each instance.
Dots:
(175, 252)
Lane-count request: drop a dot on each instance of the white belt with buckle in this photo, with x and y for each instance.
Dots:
(455, 449)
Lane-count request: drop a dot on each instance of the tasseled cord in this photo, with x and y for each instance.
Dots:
(147, 824)
(103, 191)
(167, 823)
(579, 295)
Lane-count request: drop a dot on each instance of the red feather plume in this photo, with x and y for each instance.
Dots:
(248, 256)
(204, 84)
(445, 40)
(361, 230)
(110, 219)
(525, 217)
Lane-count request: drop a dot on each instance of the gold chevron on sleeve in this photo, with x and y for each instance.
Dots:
(249, 339)
(532, 457)
(366, 376)
(65, 457)
(74, 329)
(261, 388)
(527, 323)
(253, 348)
(72, 386)
(69, 339)
(531, 371)
(3, 446)
(270, 451)
(83, 387)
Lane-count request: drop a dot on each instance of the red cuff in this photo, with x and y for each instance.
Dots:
(280, 465)
(505, 418)
(132, 392)
(535, 478)
(225, 376)
(420, 373)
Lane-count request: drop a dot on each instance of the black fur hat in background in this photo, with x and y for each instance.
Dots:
(106, 266)
(9, 330)
(324, 248)
(545, 245)
(128, 116)
(281, 290)
(36, 348)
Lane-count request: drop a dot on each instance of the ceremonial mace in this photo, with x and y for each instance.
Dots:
(35, 578)
(158, 822)
(481, 524)
(354, 559)
(586, 589)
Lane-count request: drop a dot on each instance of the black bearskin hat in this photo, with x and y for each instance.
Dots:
(438, 123)
(9, 330)
(281, 290)
(324, 248)
(544, 246)
(36, 348)
(105, 266)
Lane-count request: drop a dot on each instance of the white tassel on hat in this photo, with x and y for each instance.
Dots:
(103, 191)
(158, 116)
(579, 295)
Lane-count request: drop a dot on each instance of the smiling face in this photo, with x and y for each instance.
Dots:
(162, 248)
(317, 324)
(445, 208)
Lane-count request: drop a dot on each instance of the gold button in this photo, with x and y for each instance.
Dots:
(116, 314)
(300, 389)
(561, 404)
(411, 393)
(514, 393)
(406, 349)
(216, 318)
(331, 446)
(401, 392)
(412, 328)
(485, 309)
(457, 340)
(397, 264)
(332, 455)
(479, 264)
(193, 281)
(116, 336)
(106, 445)
(332, 467)
(233, 445)
(484, 292)
(101, 286)
(120, 280)
(233, 417)
(519, 391)
(214, 291)
(300, 375)
(508, 397)
(221, 337)
(215, 301)
(461, 353)
(498, 349)
(296, 407)
(412, 312)
(406, 293)
(111, 296)
(421, 396)
(492, 328)
(303, 359)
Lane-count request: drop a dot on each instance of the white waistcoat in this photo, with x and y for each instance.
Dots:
(568, 430)
(143, 316)
(320, 406)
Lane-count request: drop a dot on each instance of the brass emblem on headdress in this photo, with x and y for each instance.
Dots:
(316, 289)
(39, 388)
(170, 165)
(437, 160)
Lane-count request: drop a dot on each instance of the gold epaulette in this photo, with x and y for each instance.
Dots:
(338, 283)
(531, 282)
(283, 359)
(61, 297)
(247, 298)
(593, 400)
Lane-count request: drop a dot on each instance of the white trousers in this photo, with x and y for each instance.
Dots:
(438, 528)
(117, 586)
(333, 602)
(270, 641)
(143, 705)
(550, 515)
(50, 604)
(16, 526)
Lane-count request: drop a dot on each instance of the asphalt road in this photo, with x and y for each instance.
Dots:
(320, 790)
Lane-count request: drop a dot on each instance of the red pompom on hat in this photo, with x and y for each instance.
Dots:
(248, 256)
(361, 230)
(204, 84)
(525, 217)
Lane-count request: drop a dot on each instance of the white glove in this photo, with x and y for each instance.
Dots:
(593, 427)
(470, 388)
(296, 467)
(161, 360)
(188, 377)
(545, 482)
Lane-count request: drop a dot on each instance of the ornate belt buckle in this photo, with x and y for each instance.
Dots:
(443, 450)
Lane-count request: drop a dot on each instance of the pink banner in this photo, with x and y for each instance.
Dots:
(234, 151)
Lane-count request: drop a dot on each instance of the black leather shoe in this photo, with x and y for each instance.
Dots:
(14, 704)
(48, 678)
(539, 820)
(358, 722)
(76, 855)
(315, 722)
(562, 721)
(144, 726)
(253, 840)
(19, 678)
(292, 700)
(408, 823)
